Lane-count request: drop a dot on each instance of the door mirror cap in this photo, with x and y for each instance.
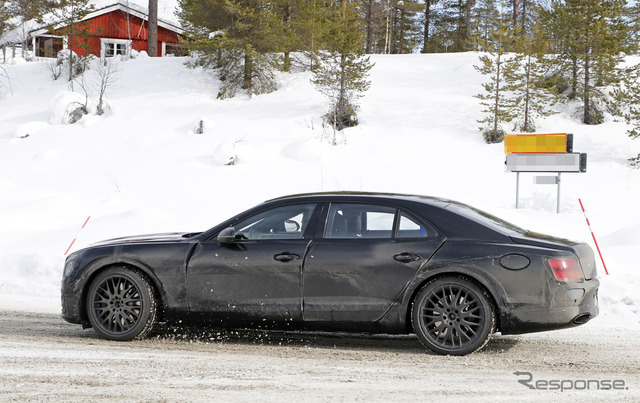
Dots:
(226, 236)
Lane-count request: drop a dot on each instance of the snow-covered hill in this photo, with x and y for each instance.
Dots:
(142, 167)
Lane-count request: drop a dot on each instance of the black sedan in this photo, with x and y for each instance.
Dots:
(385, 263)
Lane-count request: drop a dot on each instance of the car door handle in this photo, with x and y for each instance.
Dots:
(406, 257)
(286, 257)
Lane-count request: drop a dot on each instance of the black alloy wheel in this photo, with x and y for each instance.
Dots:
(121, 304)
(453, 316)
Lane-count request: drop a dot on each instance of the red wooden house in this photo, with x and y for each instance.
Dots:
(114, 30)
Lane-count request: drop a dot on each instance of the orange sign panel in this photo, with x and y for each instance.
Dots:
(536, 143)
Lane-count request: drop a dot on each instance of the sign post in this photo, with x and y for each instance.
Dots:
(535, 153)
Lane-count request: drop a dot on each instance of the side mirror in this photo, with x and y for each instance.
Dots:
(226, 236)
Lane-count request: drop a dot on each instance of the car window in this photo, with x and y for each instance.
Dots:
(285, 222)
(486, 219)
(410, 228)
(353, 221)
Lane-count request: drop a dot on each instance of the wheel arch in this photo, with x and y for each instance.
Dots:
(102, 265)
(493, 291)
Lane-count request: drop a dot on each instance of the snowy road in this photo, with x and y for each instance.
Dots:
(44, 358)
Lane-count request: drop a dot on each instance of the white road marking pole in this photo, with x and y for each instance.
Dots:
(594, 238)
(74, 239)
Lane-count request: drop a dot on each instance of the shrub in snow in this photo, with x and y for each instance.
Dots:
(77, 114)
(55, 69)
(78, 63)
(200, 128)
(105, 76)
(5, 82)
(595, 114)
(225, 154)
(341, 116)
(492, 136)
(66, 107)
(63, 55)
(201, 125)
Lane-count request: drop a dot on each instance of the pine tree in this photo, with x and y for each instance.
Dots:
(500, 68)
(343, 71)
(4, 18)
(371, 18)
(531, 98)
(632, 14)
(237, 37)
(523, 14)
(428, 44)
(457, 22)
(67, 18)
(303, 24)
(404, 32)
(625, 97)
(309, 27)
(289, 39)
(486, 19)
(23, 11)
(589, 37)
(625, 102)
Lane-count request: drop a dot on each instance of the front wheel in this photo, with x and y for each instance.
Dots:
(121, 304)
(452, 315)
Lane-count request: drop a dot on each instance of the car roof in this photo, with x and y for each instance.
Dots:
(352, 195)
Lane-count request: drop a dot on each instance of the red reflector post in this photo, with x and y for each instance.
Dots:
(566, 269)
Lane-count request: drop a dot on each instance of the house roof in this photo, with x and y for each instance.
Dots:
(135, 10)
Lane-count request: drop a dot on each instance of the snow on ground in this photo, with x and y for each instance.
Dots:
(142, 168)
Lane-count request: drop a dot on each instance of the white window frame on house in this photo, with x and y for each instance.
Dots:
(123, 44)
(34, 40)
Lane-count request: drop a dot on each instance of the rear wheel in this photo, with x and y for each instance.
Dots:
(452, 315)
(121, 304)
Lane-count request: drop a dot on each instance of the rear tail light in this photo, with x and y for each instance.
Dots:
(566, 269)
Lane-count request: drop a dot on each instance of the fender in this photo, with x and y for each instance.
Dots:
(169, 283)
(441, 269)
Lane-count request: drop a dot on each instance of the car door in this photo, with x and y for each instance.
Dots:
(363, 262)
(258, 275)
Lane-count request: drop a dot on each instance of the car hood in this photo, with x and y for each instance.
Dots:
(164, 237)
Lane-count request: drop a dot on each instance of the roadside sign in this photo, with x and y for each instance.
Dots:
(542, 153)
(547, 162)
(545, 180)
(538, 143)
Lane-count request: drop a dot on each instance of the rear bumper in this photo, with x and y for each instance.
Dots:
(567, 306)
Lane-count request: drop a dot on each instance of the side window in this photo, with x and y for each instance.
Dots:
(112, 47)
(409, 228)
(354, 221)
(286, 222)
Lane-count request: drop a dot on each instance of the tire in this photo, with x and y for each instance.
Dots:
(453, 316)
(121, 304)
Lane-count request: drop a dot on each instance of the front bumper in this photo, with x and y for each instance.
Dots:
(71, 304)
